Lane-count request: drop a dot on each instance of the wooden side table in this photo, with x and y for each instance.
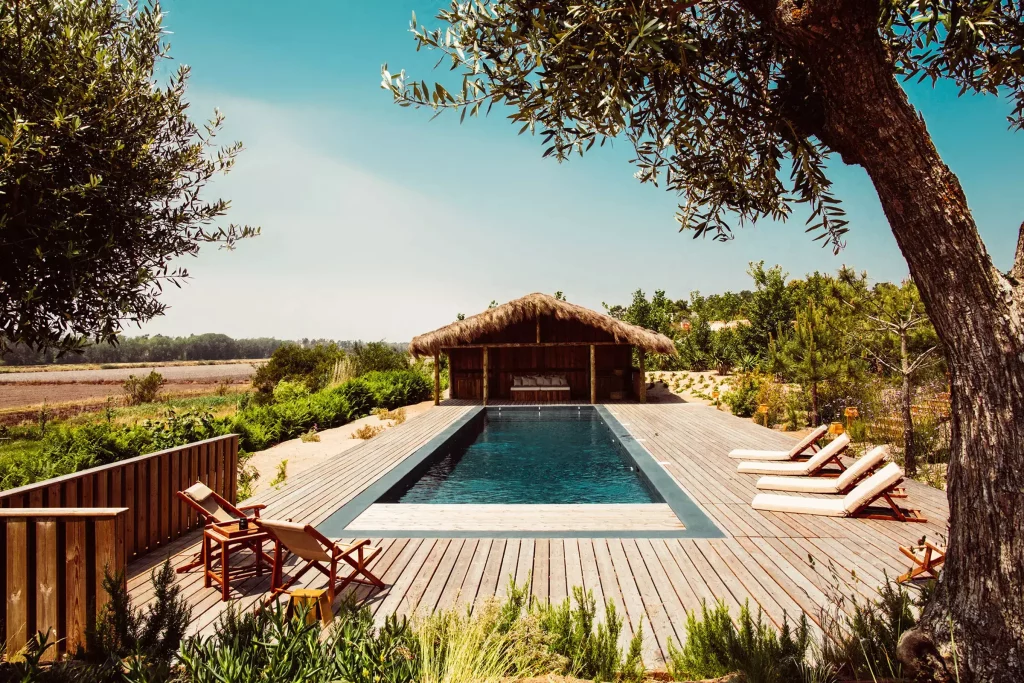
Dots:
(228, 537)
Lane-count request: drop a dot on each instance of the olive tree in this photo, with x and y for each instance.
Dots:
(101, 171)
(736, 105)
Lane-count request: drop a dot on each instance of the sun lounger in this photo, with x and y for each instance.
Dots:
(861, 468)
(856, 503)
(926, 564)
(817, 462)
(319, 552)
(805, 448)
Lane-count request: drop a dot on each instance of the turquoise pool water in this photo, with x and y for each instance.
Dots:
(532, 457)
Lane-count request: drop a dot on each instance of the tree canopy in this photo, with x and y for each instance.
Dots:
(102, 172)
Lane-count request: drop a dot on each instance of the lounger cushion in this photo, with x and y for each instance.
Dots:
(815, 463)
(872, 486)
(856, 471)
(747, 454)
(800, 447)
(832, 507)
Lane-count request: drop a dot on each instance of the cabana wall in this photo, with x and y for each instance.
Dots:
(542, 336)
(564, 349)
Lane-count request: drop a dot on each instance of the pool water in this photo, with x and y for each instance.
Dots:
(532, 457)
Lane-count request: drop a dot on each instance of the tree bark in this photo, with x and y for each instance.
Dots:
(906, 400)
(978, 607)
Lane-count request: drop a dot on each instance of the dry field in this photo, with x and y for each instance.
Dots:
(67, 392)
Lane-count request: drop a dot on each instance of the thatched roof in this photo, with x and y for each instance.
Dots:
(530, 307)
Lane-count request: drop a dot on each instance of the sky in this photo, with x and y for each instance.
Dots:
(380, 223)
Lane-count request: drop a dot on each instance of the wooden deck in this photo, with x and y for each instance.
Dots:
(653, 582)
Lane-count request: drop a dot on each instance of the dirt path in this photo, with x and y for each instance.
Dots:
(302, 456)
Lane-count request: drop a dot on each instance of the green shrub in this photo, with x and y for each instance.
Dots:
(862, 641)
(188, 427)
(715, 646)
(743, 398)
(311, 366)
(395, 388)
(378, 356)
(266, 646)
(591, 650)
(140, 390)
(287, 390)
(358, 398)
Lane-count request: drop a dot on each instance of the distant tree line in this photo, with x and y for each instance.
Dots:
(161, 349)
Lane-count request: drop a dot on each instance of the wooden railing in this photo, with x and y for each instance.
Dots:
(55, 560)
(145, 486)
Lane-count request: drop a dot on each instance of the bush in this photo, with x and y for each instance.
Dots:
(715, 646)
(862, 641)
(287, 390)
(267, 646)
(591, 650)
(395, 388)
(378, 357)
(311, 366)
(139, 390)
(358, 397)
(742, 399)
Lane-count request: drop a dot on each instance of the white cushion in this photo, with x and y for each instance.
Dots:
(816, 462)
(799, 448)
(872, 486)
(517, 381)
(543, 381)
(856, 471)
(747, 454)
(554, 388)
(799, 504)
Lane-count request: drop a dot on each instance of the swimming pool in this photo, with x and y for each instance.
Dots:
(533, 457)
(563, 471)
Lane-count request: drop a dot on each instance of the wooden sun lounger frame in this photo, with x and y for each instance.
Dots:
(247, 511)
(925, 565)
(894, 511)
(338, 554)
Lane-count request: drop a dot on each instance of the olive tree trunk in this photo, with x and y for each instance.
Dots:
(855, 105)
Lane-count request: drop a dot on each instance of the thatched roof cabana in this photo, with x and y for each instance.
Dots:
(538, 338)
(532, 307)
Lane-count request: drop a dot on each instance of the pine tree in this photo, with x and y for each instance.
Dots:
(812, 352)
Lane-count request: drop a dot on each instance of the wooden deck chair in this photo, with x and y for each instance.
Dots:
(861, 468)
(805, 448)
(856, 503)
(926, 564)
(815, 465)
(319, 552)
(212, 509)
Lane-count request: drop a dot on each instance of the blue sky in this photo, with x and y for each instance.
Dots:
(379, 223)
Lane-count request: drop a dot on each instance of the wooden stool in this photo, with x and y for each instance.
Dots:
(925, 565)
(315, 599)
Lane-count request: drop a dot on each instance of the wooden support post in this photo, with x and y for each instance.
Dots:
(437, 379)
(485, 375)
(593, 374)
(643, 375)
(538, 329)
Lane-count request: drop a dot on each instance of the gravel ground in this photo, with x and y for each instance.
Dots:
(172, 373)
